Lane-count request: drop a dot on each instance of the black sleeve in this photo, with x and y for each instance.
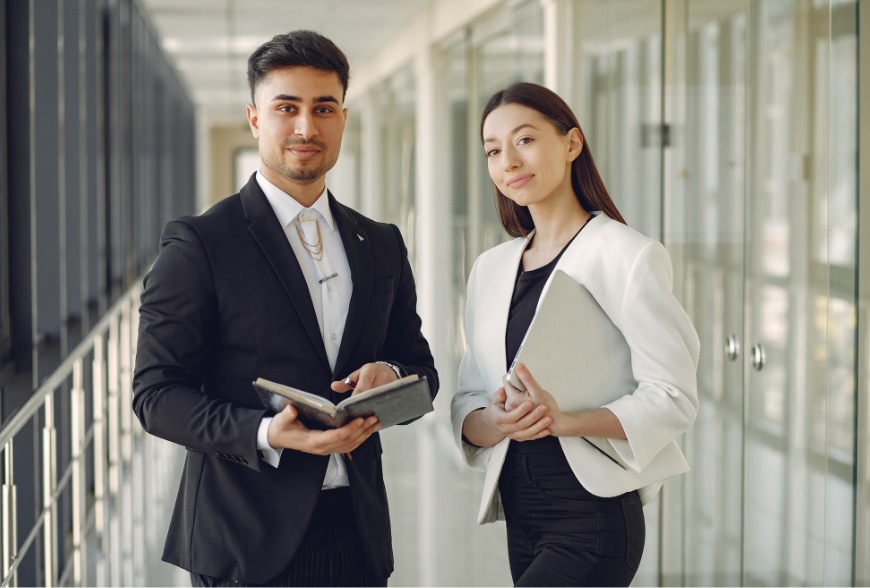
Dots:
(177, 323)
(405, 345)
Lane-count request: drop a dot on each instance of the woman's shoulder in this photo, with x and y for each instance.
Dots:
(608, 253)
(497, 257)
(618, 237)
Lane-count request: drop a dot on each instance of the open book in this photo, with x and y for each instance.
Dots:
(397, 402)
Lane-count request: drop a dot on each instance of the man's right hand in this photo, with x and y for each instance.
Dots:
(287, 432)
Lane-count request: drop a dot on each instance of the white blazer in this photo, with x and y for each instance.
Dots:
(630, 276)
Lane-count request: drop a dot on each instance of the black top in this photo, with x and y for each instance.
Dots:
(527, 291)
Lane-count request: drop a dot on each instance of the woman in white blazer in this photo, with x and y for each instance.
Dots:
(574, 514)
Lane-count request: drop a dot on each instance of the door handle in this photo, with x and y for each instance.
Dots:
(758, 357)
(732, 347)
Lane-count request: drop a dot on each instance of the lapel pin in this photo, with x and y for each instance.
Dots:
(360, 237)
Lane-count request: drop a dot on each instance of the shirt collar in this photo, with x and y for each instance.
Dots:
(287, 208)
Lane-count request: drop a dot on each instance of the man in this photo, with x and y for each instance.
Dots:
(282, 282)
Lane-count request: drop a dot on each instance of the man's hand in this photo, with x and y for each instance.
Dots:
(286, 431)
(369, 376)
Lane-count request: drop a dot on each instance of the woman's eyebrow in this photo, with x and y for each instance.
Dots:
(522, 126)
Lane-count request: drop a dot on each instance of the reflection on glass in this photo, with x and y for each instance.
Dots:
(712, 172)
(619, 103)
(396, 137)
(800, 429)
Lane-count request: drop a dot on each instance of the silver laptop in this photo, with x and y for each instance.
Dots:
(576, 353)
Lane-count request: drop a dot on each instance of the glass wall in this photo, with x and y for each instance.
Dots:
(397, 164)
(762, 191)
(618, 89)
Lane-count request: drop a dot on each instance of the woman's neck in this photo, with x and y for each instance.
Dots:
(557, 218)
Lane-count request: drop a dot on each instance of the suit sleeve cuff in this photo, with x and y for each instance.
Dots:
(270, 455)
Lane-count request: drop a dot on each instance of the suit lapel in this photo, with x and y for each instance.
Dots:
(267, 231)
(359, 257)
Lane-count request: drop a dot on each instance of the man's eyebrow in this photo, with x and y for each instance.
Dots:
(318, 100)
(522, 126)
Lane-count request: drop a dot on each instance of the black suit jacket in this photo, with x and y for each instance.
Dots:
(225, 303)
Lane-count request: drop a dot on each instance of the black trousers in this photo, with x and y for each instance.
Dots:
(331, 553)
(559, 534)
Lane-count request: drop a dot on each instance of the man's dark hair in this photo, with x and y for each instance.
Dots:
(294, 49)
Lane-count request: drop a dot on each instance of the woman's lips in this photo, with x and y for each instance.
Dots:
(519, 181)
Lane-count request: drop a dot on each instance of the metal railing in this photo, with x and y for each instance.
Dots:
(97, 512)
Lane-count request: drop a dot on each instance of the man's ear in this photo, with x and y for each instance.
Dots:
(253, 120)
(575, 144)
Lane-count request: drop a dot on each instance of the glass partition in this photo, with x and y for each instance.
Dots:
(396, 101)
(619, 102)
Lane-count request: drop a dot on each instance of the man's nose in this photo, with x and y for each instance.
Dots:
(305, 126)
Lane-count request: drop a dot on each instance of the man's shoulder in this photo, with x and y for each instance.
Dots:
(219, 217)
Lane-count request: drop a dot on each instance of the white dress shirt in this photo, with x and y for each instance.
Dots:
(331, 298)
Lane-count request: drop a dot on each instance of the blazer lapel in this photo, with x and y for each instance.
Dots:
(267, 231)
(359, 258)
(499, 292)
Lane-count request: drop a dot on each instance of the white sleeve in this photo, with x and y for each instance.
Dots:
(271, 455)
(664, 360)
(472, 394)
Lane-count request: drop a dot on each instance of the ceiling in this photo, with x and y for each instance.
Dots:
(210, 40)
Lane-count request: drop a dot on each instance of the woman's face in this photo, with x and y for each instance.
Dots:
(528, 159)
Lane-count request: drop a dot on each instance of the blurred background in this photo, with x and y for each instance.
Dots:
(727, 129)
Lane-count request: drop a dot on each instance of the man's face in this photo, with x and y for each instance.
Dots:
(298, 120)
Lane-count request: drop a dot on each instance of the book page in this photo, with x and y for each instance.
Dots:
(298, 395)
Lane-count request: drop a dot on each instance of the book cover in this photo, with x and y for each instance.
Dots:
(404, 400)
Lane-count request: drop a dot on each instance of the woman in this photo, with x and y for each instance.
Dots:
(574, 515)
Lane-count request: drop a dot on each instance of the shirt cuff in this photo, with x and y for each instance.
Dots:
(270, 455)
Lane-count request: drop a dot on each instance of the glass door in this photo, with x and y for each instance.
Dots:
(708, 165)
(799, 508)
(761, 197)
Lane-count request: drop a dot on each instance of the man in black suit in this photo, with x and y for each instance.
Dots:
(282, 282)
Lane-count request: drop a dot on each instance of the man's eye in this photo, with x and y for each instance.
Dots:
(324, 110)
(285, 108)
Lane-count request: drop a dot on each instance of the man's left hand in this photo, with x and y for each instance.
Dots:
(369, 376)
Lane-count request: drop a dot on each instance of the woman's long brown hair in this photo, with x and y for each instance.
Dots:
(585, 180)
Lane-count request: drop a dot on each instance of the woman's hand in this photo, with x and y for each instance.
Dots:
(597, 422)
(521, 423)
(536, 395)
(488, 426)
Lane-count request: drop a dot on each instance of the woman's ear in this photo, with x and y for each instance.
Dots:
(575, 144)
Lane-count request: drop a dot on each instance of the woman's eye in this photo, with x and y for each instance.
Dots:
(492, 153)
(525, 141)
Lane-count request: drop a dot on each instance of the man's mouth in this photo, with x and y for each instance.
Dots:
(303, 152)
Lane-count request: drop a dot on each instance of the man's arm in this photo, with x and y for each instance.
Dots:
(178, 319)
